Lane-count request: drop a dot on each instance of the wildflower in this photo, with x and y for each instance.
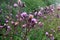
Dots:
(7, 21)
(47, 33)
(51, 35)
(1, 26)
(35, 13)
(24, 25)
(40, 13)
(31, 16)
(12, 22)
(21, 4)
(20, 19)
(33, 20)
(8, 30)
(40, 24)
(24, 15)
(8, 27)
(16, 23)
(45, 17)
(15, 5)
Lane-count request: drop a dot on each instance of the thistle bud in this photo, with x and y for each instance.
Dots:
(21, 4)
(16, 23)
(12, 22)
(24, 25)
(50, 35)
(31, 16)
(40, 24)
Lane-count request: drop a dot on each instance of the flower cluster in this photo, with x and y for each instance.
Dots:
(28, 21)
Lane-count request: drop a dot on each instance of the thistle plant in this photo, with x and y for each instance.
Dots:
(22, 23)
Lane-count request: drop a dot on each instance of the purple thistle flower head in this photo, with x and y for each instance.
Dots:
(35, 13)
(15, 5)
(8, 27)
(24, 15)
(1, 26)
(47, 33)
(40, 13)
(33, 20)
(7, 21)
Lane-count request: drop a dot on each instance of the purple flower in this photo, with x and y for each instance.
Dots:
(33, 20)
(40, 13)
(8, 27)
(21, 4)
(7, 21)
(47, 33)
(51, 8)
(24, 15)
(1, 26)
(35, 13)
(15, 5)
